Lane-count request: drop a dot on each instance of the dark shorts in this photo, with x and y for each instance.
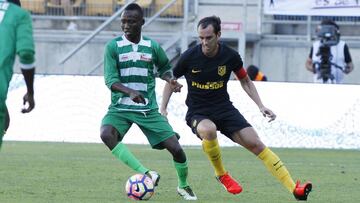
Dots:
(226, 122)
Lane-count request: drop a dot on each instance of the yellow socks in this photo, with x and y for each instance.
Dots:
(277, 168)
(212, 150)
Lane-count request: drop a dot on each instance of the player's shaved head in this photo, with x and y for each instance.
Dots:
(135, 7)
(17, 2)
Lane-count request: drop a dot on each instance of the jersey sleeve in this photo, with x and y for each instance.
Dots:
(24, 39)
(238, 63)
(111, 73)
(179, 69)
(160, 59)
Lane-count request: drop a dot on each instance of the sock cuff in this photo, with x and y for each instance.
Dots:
(264, 153)
(181, 165)
(210, 143)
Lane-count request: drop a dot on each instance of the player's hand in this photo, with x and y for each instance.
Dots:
(175, 86)
(267, 113)
(163, 112)
(137, 97)
(28, 100)
(347, 69)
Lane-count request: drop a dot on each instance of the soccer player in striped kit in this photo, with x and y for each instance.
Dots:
(129, 70)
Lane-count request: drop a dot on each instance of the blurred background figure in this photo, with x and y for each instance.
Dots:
(329, 57)
(68, 11)
(255, 74)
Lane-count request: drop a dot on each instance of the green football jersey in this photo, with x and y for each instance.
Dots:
(134, 66)
(15, 36)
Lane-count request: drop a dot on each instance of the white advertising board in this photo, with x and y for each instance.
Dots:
(70, 109)
(313, 7)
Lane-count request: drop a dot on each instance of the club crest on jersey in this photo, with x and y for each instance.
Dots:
(222, 70)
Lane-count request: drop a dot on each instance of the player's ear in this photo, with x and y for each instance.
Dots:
(219, 34)
(143, 21)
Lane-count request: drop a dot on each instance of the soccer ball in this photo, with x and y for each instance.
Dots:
(139, 187)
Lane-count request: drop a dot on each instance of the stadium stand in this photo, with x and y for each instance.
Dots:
(58, 8)
(99, 7)
(176, 10)
(35, 6)
(142, 3)
(269, 37)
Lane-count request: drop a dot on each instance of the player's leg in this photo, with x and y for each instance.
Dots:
(161, 136)
(110, 135)
(206, 130)
(7, 119)
(2, 120)
(3, 92)
(181, 166)
(248, 138)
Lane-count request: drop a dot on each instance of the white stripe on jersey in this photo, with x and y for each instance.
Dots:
(125, 42)
(136, 86)
(134, 71)
(135, 56)
(128, 101)
(146, 43)
(3, 7)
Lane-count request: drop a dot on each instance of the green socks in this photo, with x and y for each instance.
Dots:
(122, 153)
(182, 172)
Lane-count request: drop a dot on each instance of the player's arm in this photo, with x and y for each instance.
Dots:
(26, 52)
(309, 63)
(164, 68)
(28, 72)
(167, 92)
(250, 89)
(349, 64)
(168, 88)
(112, 78)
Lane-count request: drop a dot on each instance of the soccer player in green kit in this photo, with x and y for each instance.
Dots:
(16, 38)
(129, 65)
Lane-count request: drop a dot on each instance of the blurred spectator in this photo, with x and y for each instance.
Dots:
(68, 11)
(329, 57)
(255, 74)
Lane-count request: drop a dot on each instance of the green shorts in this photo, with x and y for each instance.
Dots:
(155, 126)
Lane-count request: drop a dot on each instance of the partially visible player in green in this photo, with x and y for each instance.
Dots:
(16, 38)
(129, 70)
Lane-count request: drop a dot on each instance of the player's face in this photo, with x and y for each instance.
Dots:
(209, 40)
(131, 23)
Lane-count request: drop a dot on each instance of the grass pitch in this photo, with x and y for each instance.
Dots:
(66, 172)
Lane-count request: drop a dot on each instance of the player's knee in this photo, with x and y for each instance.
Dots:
(175, 149)
(207, 130)
(179, 155)
(257, 147)
(107, 134)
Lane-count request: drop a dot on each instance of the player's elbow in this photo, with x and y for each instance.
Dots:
(27, 59)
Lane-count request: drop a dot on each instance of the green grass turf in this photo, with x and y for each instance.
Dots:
(67, 172)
